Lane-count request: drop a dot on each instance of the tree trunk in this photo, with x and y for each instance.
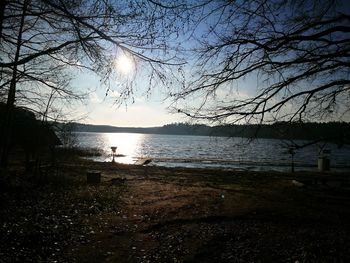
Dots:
(2, 14)
(7, 129)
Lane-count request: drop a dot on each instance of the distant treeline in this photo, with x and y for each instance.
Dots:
(334, 131)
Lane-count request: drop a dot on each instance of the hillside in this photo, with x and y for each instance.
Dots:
(338, 132)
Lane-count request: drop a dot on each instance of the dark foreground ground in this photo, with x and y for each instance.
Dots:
(174, 215)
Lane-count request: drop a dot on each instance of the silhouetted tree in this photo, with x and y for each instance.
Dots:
(42, 42)
(289, 61)
(30, 135)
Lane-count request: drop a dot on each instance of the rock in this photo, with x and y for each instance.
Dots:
(297, 183)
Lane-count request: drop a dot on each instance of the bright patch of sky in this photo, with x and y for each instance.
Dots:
(142, 113)
(101, 109)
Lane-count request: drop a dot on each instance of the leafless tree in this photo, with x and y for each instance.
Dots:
(263, 61)
(297, 52)
(44, 43)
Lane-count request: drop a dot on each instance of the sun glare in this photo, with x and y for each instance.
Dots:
(125, 64)
(128, 146)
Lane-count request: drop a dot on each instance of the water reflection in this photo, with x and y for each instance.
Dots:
(203, 151)
(128, 146)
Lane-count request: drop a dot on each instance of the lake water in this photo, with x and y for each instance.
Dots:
(209, 152)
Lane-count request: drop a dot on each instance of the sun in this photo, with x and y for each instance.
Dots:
(125, 64)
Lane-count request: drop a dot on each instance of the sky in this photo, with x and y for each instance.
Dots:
(151, 109)
(147, 110)
(144, 112)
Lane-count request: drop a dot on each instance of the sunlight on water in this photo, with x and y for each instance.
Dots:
(128, 145)
(204, 151)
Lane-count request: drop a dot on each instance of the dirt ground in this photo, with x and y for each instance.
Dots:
(154, 214)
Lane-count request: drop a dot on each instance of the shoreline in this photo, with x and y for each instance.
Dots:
(269, 154)
(158, 214)
(219, 164)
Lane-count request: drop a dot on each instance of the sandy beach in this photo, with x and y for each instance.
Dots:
(154, 214)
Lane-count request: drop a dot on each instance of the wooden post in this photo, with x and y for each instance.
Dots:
(113, 148)
(323, 164)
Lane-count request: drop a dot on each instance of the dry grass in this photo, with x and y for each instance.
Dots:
(175, 215)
